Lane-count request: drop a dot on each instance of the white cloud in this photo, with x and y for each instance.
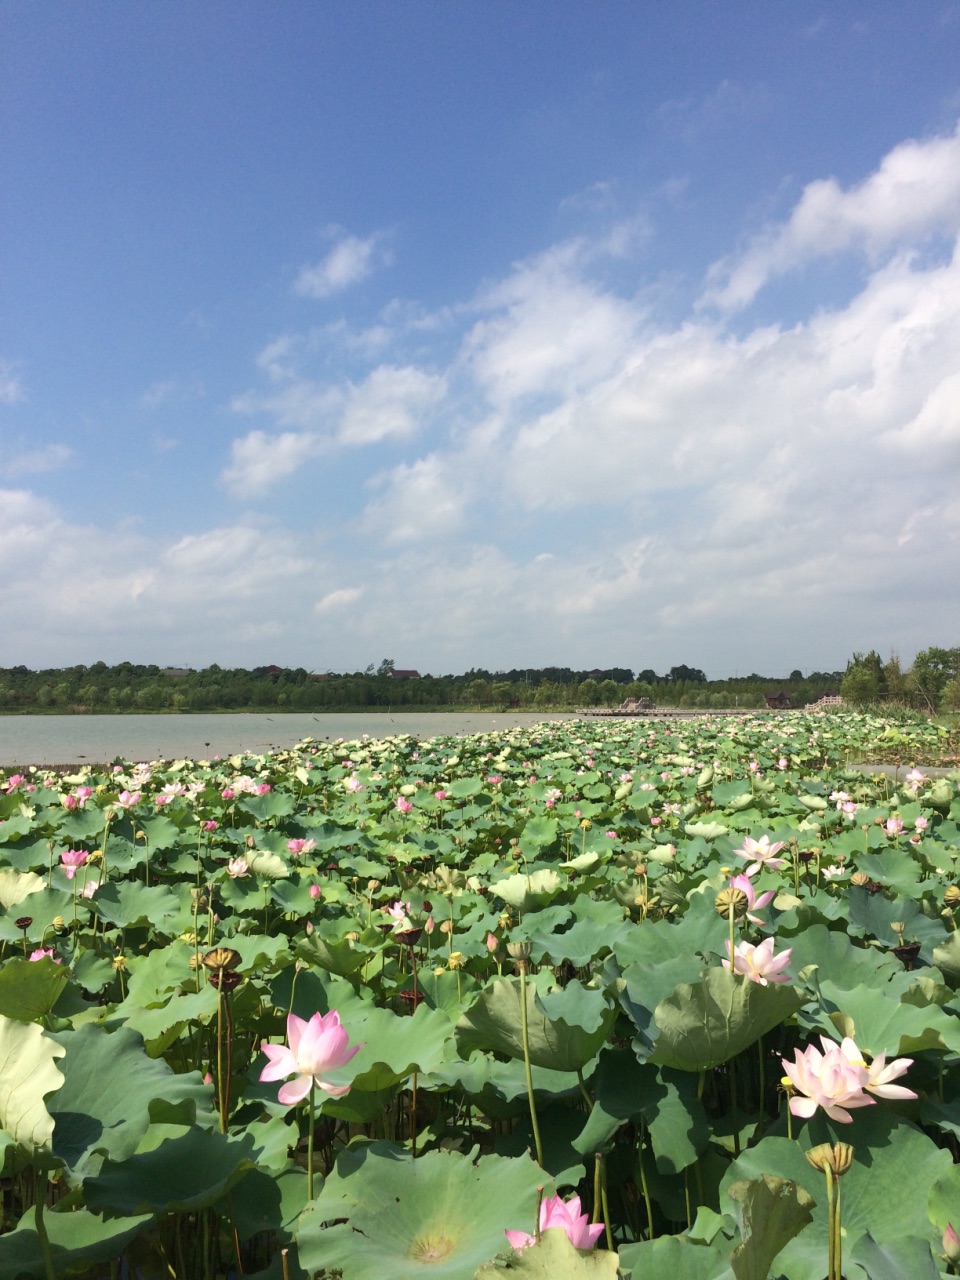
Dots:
(350, 260)
(389, 403)
(915, 192)
(339, 599)
(260, 460)
(27, 462)
(11, 388)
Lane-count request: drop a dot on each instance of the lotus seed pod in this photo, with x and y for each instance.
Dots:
(951, 895)
(518, 950)
(859, 878)
(734, 898)
(221, 958)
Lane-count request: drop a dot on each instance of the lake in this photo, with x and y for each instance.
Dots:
(69, 740)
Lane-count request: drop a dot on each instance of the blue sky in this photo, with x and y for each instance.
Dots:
(479, 334)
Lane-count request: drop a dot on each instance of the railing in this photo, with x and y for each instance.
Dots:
(833, 700)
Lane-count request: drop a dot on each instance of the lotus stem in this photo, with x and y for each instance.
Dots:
(310, 1126)
(606, 1207)
(641, 1169)
(597, 1185)
(41, 1227)
(732, 1072)
(525, 1032)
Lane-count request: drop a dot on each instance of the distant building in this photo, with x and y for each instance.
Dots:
(405, 675)
(779, 701)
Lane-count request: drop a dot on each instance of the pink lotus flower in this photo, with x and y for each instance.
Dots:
(755, 901)
(403, 805)
(839, 1078)
(127, 799)
(397, 911)
(568, 1217)
(354, 784)
(760, 853)
(15, 780)
(262, 789)
(894, 826)
(758, 963)
(314, 891)
(238, 868)
(44, 953)
(878, 1073)
(299, 847)
(209, 825)
(313, 1049)
(162, 800)
(72, 859)
(440, 795)
(227, 793)
(921, 823)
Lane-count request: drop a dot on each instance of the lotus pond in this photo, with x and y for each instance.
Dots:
(654, 999)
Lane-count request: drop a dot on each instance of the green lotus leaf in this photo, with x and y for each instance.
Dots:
(27, 1075)
(769, 1211)
(78, 1240)
(678, 1257)
(109, 1085)
(946, 957)
(705, 1023)
(125, 904)
(441, 1215)
(268, 865)
(709, 830)
(176, 1170)
(555, 1258)
(161, 832)
(909, 1258)
(526, 891)
(30, 988)
(880, 1023)
(44, 906)
(494, 1024)
(340, 956)
(17, 885)
(275, 804)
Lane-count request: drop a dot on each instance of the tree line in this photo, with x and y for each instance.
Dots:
(931, 684)
(132, 687)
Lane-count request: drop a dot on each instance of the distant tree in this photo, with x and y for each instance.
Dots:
(864, 682)
(932, 671)
(796, 674)
(386, 667)
(693, 674)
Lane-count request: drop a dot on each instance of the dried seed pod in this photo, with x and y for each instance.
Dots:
(221, 958)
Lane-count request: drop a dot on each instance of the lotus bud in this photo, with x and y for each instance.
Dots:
(951, 1245)
(446, 926)
(59, 923)
(836, 1158)
(734, 898)
(492, 942)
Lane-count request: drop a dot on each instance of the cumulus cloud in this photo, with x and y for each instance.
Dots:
(350, 260)
(915, 192)
(338, 599)
(390, 402)
(260, 459)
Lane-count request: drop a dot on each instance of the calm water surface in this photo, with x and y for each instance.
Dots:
(101, 739)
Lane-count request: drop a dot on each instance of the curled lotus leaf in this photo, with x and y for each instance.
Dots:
(28, 1073)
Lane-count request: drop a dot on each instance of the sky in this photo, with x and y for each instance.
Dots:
(483, 333)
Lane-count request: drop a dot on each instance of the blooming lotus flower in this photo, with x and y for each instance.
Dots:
(894, 825)
(299, 847)
(758, 963)
(313, 1049)
(127, 799)
(839, 1078)
(238, 868)
(760, 853)
(397, 911)
(568, 1217)
(878, 1073)
(828, 1080)
(755, 901)
(72, 859)
(44, 953)
(403, 805)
